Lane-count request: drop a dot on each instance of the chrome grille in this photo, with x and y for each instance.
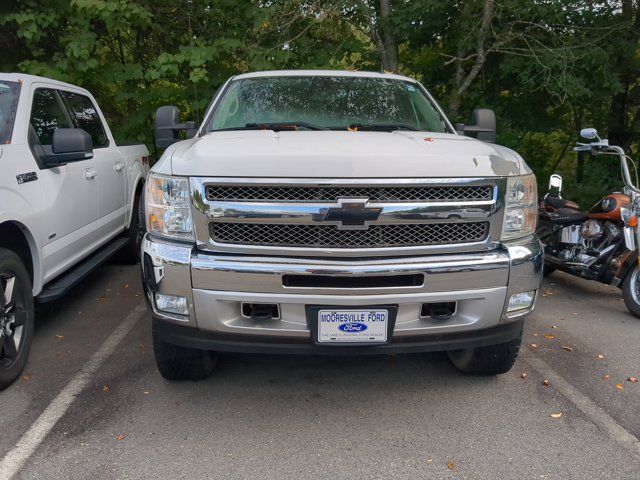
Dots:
(329, 236)
(315, 193)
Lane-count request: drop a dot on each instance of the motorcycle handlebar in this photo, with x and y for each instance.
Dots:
(602, 148)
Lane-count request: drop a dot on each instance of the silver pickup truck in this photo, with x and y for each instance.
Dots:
(339, 213)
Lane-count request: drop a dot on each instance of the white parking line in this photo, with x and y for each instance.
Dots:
(597, 415)
(14, 460)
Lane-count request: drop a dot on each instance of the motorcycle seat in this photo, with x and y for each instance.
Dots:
(568, 216)
(557, 202)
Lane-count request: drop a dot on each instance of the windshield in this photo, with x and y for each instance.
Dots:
(326, 102)
(9, 93)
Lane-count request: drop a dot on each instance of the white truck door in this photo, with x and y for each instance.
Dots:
(110, 166)
(69, 224)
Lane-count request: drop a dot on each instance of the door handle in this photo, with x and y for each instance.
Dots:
(118, 166)
(89, 173)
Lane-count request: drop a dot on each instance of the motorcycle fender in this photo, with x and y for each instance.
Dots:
(627, 266)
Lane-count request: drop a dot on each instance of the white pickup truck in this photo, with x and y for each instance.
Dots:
(337, 213)
(69, 199)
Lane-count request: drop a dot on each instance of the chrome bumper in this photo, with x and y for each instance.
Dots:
(216, 285)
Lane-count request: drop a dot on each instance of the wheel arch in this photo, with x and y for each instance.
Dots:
(137, 190)
(16, 237)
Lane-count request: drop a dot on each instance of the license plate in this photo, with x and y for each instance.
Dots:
(352, 326)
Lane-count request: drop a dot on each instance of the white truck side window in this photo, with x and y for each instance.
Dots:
(47, 114)
(84, 115)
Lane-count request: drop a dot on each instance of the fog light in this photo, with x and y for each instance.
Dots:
(172, 304)
(521, 301)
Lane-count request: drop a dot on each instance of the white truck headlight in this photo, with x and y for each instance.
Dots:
(168, 207)
(521, 207)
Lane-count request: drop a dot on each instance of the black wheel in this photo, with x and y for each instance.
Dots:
(491, 360)
(130, 253)
(631, 291)
(180, 363)
(16, 317)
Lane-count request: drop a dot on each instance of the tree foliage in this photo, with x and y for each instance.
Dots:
(548, 67)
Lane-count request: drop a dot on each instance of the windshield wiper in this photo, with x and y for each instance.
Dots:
(275, 126)
(381, 127)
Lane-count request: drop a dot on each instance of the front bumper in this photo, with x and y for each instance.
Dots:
(215, 287)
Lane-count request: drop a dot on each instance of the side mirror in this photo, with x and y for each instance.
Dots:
(589, 133)
(555, 181)
(69, 145)
(168, 128)
(483, 125)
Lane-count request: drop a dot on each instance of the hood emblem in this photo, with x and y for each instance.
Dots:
(352, 214)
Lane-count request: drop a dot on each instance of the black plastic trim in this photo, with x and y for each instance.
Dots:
(61, 285)
(192, 337)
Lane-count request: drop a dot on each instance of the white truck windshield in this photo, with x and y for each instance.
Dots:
(326, 102)
(9, 94)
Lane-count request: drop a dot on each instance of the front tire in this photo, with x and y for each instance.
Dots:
(631, 291)
(491, 360)
(181, 363)
(16, 317)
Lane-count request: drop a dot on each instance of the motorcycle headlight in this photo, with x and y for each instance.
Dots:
(168, 207)
(521, 207)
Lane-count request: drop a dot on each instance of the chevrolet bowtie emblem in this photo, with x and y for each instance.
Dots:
(352, 214)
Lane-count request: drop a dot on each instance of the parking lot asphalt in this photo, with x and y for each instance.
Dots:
(92, 405)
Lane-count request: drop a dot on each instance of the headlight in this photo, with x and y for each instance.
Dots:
(168, 207)
(521, 207)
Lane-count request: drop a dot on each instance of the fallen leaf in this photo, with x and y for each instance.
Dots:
(555, 415)
(146, 393)
(549, 336)
(451, 465)
(600, 357)
(126, 285)
(632, 379)
(106, 389)
(26, 378)
(619, 386)
(120, 437)
(60, 337)
(553, 326)
(523, 375)
(568, 349)
(533, 345)
(545, 383)
(534, 334)
(429, 460)
(605, 377)
(140, 346)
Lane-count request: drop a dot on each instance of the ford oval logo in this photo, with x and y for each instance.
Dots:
(353, 327)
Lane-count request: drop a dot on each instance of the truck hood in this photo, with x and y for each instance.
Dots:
(338, 154)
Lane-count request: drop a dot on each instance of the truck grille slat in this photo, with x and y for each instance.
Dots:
(313, 193)
(329, 236)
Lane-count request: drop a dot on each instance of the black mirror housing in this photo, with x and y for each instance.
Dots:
(483, 125)
(168, 128)
(69, 145)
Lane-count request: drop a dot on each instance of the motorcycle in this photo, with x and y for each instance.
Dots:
(603, 243)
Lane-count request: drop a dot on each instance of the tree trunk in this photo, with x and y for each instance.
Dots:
(464, 82)
(618, 125)
(389, 52)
